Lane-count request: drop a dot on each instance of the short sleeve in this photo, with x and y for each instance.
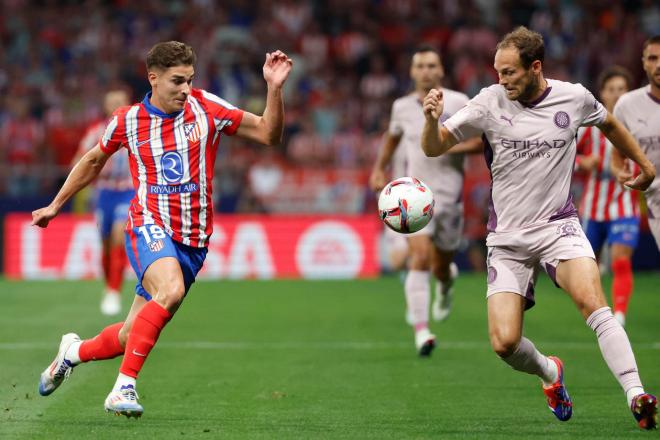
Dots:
(227, 117)
(620, 113)
(396, 121)
(593, 112)
(114, 135)
(469, 121)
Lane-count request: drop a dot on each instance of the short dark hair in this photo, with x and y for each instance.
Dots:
(426, 48)
(613, 72)
(169, 54)
(529, 44)
(653, 40)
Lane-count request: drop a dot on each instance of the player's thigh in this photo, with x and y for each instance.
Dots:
(581, 279)
(420, 247)
(505, 321)
(440, 261)
(163, 280)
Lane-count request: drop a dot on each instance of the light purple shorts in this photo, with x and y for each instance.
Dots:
(514, 257)
(446, 227)
(654, 225)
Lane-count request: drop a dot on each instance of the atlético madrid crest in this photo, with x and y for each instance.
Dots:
(192, 131)
(156, 245)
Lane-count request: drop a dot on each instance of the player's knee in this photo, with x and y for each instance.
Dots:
(420, 261)
(171, 295)
(504, 345)
(123, 335)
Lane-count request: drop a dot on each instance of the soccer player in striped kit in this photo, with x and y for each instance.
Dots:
(609, 210)
(112, 197)
(529, 124)
(172, 139)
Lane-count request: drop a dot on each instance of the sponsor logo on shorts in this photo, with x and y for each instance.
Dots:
(156, 245)
(562, 120)
(492, 274)
(568, 229)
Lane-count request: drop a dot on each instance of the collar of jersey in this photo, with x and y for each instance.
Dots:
(156, 112)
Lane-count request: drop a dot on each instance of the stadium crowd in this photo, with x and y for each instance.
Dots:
(57, 58)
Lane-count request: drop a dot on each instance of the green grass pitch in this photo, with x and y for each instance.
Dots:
(316, 360)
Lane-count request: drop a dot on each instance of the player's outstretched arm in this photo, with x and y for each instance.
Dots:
(625, 143)
(435, 141)
(473, 145)
(86, 170)
(377, 179)
(269, 128)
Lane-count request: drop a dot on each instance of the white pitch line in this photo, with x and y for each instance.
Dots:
(329, 345)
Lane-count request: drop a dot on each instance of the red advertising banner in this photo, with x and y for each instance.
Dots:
(242, 246)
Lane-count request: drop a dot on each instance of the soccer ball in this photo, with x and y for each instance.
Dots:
(406, 205)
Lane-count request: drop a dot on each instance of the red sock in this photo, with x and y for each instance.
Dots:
(116, 268)
(143, 336)
(622, 284)
(104, 346)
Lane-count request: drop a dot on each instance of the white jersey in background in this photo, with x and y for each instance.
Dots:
(639, 111)
(443, 174)
(530, 150)
(116, 174)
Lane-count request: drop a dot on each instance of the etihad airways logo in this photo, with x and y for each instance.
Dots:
(526, 144)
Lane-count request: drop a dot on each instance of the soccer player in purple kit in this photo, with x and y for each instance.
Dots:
(528, 124)
(639, 111)
(432, 248)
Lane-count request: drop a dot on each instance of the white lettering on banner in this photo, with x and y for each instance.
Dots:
(31, 254)
(250, 253)
(329, 249)
(84, 254)
(214, 265)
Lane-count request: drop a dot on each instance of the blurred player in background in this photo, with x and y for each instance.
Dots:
(112, 197)
(639, 111)
(529, 125)
(609, 210)
(396, 244)
(431, 249)
(172, 139)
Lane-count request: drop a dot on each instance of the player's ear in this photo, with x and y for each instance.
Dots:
(152, 75)
(536, 66)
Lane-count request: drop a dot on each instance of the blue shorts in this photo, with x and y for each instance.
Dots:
(623, 231)
(111, 207)
(146, 244)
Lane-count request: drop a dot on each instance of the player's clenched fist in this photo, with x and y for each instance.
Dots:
(41, 217)
(433, 104)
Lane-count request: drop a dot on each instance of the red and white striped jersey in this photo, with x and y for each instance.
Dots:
(604, 199)
(116, 174)
(172, 159)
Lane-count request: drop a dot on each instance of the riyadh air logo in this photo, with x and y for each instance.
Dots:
(562, 120)
(172, 167)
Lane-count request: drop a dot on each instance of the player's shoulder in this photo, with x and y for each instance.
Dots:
(121, 111)
(205, 97)
(455, 95)
(631, 97)
(405, 101)
(566, 87)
